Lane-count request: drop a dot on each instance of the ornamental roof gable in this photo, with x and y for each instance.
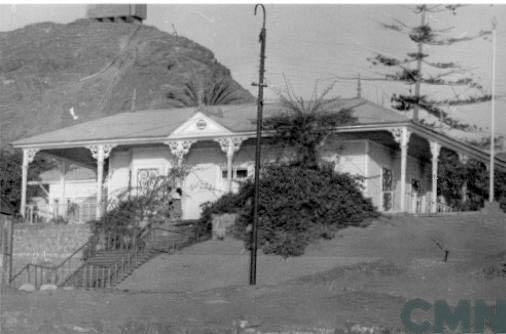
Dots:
(200, 125)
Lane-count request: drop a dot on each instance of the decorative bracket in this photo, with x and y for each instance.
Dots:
(29, 155)
(230, 145)
(100, 152)
(435, 148)
(463, 158)
(179, 147)
(401, 135)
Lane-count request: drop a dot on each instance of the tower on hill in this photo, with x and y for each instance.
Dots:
(117, 13)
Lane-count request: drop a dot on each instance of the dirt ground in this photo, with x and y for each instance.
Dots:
(363, 276)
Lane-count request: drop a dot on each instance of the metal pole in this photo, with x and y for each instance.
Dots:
(492, 121)
(11, 246)
(260, 103)
(419, 69)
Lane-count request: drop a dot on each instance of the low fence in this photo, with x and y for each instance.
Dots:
(423, 205)
(72, 213)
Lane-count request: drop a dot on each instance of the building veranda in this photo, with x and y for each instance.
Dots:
(397, 158)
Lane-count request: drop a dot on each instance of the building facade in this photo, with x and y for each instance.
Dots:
(396, 158)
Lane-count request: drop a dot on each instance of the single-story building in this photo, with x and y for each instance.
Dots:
(396, 157)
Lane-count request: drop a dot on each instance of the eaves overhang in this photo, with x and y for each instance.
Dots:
(417, 128)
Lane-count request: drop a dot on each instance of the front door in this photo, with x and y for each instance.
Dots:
(200, 186)
(415, 195)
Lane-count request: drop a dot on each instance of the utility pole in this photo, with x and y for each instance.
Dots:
(492, 119)
(419, 68)
(260, 104)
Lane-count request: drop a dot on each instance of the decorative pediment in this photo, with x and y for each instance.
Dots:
(200, 125)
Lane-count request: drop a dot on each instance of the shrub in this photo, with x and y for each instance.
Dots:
(228, 203)
(59, 220)
(297, 206)
(153, 204)
(452, 175)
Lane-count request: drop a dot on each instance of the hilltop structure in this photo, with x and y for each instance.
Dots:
(117, 13)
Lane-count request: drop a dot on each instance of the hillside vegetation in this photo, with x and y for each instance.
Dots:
(94, 68)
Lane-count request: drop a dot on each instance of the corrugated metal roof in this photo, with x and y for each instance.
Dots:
(161, 123)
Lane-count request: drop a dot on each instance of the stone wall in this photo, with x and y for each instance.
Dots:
(46, 243)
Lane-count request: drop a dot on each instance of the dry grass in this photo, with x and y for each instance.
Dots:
(364, 277)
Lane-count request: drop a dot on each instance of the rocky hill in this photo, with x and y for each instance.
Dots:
(93, 67)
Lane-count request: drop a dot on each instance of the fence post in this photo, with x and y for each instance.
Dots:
(84, 276)
(88, 276)
(6, 251)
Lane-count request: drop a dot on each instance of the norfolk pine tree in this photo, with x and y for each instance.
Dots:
(417, 69)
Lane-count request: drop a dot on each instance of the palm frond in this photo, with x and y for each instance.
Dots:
(305, 124)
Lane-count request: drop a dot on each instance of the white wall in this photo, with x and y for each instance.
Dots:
(76, 191)
(158, 157)
(119, 173)
(124, 166)
(206, 182)
(349, 156)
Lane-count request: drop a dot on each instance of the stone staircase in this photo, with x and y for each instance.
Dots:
(107, 268)
(106, 260)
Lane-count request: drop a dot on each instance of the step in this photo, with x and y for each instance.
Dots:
(111, 258)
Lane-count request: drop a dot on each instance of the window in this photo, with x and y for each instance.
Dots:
(387, 179)
(241, 173)
(415, 186)
(387, 192)
(145, 177)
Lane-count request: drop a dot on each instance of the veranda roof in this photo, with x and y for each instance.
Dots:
(161, 123)
(155, 126)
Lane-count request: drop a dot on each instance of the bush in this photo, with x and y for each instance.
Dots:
(59, 220)
(297, 206)
(153, 204)
(228, 203)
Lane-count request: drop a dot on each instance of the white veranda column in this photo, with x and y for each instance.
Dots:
(230, 146)
(464, 158)
(63, 171)
(179, 148)
(100, 153)
(28, 156)
(401, 136)
(435, 148)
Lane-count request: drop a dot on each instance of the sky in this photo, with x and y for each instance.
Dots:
(309, 45)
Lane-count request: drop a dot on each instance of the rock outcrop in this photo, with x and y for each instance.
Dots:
(93, 68)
